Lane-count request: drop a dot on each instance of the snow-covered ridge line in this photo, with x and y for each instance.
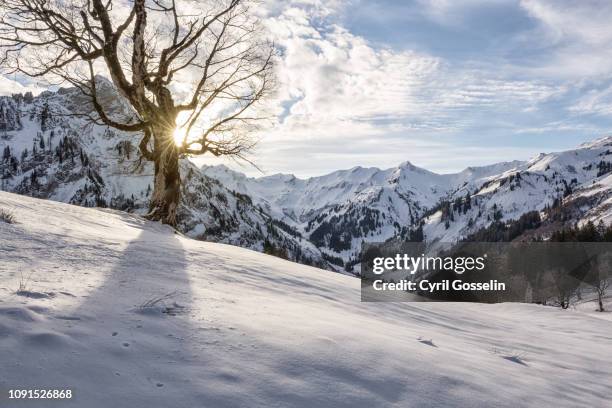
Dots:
(343, 208)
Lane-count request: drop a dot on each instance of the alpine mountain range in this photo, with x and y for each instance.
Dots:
(50, 149)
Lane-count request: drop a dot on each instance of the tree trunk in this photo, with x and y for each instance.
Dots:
(167, 183)
(600, 300)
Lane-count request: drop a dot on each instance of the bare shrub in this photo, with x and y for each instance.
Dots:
(162, 304)
(7, 216)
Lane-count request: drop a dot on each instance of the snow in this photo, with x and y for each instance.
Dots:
(242, 329)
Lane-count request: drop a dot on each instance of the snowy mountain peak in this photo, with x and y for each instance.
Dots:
(407, 165)
(603, 141)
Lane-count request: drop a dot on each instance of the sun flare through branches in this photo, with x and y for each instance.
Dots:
(180, 136)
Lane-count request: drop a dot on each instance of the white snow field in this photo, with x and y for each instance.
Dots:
(242, 329)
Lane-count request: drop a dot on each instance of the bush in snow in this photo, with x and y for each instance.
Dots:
(7, 216)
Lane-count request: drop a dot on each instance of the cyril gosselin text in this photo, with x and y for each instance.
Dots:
(422, 264)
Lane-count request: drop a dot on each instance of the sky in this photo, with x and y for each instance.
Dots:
(444, 84)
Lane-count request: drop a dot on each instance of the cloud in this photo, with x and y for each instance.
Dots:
(345, 100)
(585, 21)
(335, 82)
(330, 76)
(597, 101)
(575, 38)
(452, 12)
(576, 34)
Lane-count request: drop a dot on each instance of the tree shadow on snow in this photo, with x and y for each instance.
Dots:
(136, 324)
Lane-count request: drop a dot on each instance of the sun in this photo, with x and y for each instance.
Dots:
(180, 136)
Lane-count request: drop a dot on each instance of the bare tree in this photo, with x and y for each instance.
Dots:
(199, 66)
(600, 276)
(601, 287)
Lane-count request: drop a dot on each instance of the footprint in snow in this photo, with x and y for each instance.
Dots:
(35, 295)
(428, 342)
(515, 359)
(68, 317)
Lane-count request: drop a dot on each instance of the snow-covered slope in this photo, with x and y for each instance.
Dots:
(548, 180)
(127, 313)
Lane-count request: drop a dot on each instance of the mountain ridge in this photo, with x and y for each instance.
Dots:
(51, 150)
